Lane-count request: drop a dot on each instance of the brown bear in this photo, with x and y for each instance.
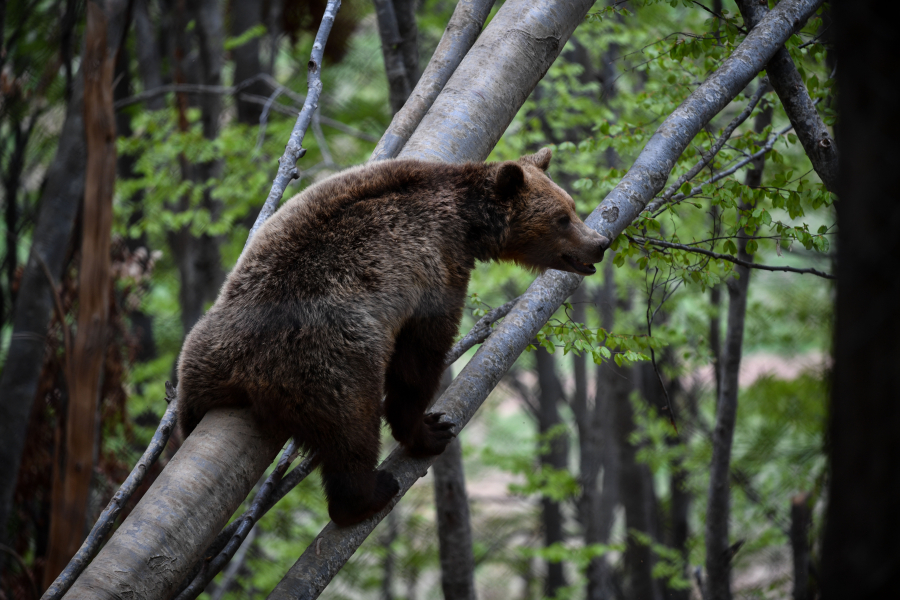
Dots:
(353, 291)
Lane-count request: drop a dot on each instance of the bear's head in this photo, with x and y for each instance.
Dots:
(545, 232)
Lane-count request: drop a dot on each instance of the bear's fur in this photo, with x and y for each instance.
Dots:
(353, 291)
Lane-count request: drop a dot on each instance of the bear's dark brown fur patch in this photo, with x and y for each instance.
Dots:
(353, 291)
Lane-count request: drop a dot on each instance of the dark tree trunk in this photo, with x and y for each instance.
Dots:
(718, 553)
(397, 28)
(861, 556)
(197, 256)
(548, 418)
(141, 323)
(637, 496)
(590, 447)
(246, 14)
(454, 528)
(59, 205)
(148, 54)
(75, 467)
(612, 385)
(801, 518)
(409, 38)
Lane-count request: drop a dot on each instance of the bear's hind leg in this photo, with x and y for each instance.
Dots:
(412, 379)
(355, 490)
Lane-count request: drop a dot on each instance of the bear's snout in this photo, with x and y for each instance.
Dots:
(582, 250)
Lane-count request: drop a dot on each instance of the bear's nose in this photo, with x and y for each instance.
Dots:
(604, 242)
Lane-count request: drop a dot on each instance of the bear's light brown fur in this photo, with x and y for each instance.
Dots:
(354, 291)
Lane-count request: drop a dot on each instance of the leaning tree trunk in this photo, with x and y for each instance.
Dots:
(860, 555)
(464, 123)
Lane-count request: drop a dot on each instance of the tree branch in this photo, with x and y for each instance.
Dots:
(659, 207)
(788, 84)
(728, 257)
(287, 165)
(713, 151)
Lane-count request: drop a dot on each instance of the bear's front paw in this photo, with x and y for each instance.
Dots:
(432, 436)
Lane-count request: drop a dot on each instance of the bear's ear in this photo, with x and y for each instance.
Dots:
(540, 159)
(510, 180)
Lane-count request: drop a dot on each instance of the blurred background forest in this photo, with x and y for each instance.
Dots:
(579, 482)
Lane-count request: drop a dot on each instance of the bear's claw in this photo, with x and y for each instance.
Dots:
(433, 436)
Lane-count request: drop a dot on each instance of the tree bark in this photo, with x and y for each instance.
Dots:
(638, 498)
(75, 465)
(464, 26)
(860, 555)
(246, 14)
(801, 518)
(454, 528)
(181, 513)
(400, 80)
(551, 394)
(197, 256)
(791, 90)
(612, 385)
(148, 54)
(453, 524)
(589, 455)
(718, 511)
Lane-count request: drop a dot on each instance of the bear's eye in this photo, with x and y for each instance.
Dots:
(564, 221)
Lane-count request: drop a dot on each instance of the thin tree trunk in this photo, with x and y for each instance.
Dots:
(197, 256)
(148, 54)
(551, 394)
(400, 79)
(75, 467)
(590, 447)
(244, 15)
(860, 554)
(612, 385)
(390, 559)
(454, 528)
(405, 10)
(801, 518)
(637, 496)
(718, 553)
(453, 525)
